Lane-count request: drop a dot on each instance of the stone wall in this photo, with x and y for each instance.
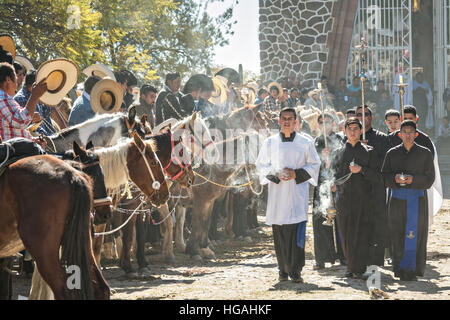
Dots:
(293, 36)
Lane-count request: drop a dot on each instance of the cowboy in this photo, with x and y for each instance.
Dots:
(127, 81)
(146, 103)
(233, 78)
(168, 101)
(271, 101)
(82, 110)
(287, 162)
(43, 113)
(20, 73)
(14, 118)
(201, 86)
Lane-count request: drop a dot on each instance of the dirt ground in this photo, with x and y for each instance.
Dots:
(245, 270)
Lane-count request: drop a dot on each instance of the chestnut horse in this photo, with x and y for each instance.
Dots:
(45, 205)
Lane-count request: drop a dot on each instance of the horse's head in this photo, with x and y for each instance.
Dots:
(195, 135)
(146, 172)
(173, 158)
(91, 166)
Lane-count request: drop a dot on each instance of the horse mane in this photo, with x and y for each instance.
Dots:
(158, 140)
(113, 161)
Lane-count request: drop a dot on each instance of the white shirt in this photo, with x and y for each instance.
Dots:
(287, 201)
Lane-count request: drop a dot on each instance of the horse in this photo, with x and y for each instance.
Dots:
(102, 130)
(88, 163)
(53, 225)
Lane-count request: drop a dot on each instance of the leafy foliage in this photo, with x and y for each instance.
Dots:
(148, 37)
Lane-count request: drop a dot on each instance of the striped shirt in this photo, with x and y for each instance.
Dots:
(14, 118)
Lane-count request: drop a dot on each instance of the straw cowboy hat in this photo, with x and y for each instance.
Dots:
(99, 70)
(25, 63)
(62, 76)
(313, 92)
(219, 95)
(7, 43)
(248, 94)
(106, 96)
(279, 87)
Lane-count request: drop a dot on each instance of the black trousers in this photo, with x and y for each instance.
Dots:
(291, 258)
(5, 278)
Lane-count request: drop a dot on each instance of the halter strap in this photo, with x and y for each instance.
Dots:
(180, 163)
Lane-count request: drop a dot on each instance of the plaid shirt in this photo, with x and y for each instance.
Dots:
(271, 104)
(46, 127)
(14, 118)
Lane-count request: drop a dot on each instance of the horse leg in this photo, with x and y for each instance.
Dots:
(230, 215)
(127, 240)
(140, 244)
(167, 232)
(200, 224)
(5, 278)
(180, 215)
(39, 288)
(97, 242)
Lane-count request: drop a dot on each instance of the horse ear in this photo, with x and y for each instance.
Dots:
(131, 114)
(194, 116)
(76, 149)
(90, 145)
(139, 143)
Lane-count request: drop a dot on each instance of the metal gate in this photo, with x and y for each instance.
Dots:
(441, 53)
(386, 27)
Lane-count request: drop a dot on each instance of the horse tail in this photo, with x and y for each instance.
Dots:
(75, 242)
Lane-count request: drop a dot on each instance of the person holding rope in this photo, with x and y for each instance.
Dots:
(287, 162)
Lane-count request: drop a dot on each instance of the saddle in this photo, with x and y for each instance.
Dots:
(16, 149)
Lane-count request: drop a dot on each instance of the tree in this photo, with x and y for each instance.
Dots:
(148, 37)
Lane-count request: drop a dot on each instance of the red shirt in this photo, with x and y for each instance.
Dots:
(14, 118)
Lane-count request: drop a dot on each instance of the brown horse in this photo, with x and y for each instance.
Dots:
(88, 163)
(136, 161)
(56, 216)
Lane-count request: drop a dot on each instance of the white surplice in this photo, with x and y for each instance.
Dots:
(287, 201)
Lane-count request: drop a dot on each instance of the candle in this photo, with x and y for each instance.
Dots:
(401, 79)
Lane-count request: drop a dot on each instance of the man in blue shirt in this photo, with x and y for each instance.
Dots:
(81, 109)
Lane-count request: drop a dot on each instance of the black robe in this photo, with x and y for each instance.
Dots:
(418, 162)
(422, 140)
(324, 237)
(378, 237)
(353, 201)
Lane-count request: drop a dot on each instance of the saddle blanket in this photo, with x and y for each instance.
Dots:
(15, 149)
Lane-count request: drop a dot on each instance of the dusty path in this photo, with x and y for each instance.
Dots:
(244, 270)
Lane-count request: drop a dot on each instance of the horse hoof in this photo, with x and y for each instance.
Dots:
(112, 291)
(197, 258)
(207, 253)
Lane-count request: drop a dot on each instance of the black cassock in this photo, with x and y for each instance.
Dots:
(422, 140)
(353, 201)
(418, 162)
(324, 237)
(378, 238)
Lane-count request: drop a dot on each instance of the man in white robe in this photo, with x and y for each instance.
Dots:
(288, 163)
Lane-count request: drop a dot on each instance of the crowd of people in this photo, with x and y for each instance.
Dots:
(376, 180)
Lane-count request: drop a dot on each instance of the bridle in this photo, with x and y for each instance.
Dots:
(156, 185)
(183, 168)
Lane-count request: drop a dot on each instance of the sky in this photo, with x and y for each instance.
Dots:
(243, 46)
